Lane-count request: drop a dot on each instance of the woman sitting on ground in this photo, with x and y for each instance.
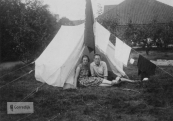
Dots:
(83, 72)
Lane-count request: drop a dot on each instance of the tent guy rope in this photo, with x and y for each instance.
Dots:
(32, 93)
(18, 69)
(25, 117)
(17, 78)
(147, 59)
(155, 64)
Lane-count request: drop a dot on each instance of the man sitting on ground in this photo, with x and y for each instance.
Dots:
(98, 68)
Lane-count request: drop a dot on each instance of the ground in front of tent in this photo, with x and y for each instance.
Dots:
(148, 101)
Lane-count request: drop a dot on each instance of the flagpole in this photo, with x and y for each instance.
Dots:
(95, 33)
(89, 37)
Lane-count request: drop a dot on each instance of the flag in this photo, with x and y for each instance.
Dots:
(89, 38)
(145, 67)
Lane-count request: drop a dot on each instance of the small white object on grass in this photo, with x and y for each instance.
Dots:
(132, 61)
(145, 79)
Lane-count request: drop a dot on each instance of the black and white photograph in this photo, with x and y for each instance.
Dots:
(86, 60)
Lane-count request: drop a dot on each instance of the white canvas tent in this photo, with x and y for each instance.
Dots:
(56, 65)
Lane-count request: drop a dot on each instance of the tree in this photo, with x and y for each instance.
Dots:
(26, 29)
(66, 21)
(108, 21)
(161, 34)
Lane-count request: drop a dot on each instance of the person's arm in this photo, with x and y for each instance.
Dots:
(77, 75)
(105, 71)
(92, 70)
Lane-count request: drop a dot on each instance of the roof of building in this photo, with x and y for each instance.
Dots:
(139, 12)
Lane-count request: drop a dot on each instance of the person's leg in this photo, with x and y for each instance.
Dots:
(109, 83)
(116, 81)
(105, 85)
(120, 79)
(105, 81)
(127, 80)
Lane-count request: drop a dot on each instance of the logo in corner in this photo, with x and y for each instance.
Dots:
(11, 107)
(20, 107)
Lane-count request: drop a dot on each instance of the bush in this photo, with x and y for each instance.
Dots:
(26, 29)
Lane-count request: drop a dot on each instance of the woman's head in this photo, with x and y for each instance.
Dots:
(85, 60)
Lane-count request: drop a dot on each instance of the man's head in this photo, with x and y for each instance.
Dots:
(97, 59)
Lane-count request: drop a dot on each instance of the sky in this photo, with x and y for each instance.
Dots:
(75, 9)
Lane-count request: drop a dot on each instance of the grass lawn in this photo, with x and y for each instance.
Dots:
(148, 101)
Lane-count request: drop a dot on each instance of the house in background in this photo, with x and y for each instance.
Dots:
(137, 13)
